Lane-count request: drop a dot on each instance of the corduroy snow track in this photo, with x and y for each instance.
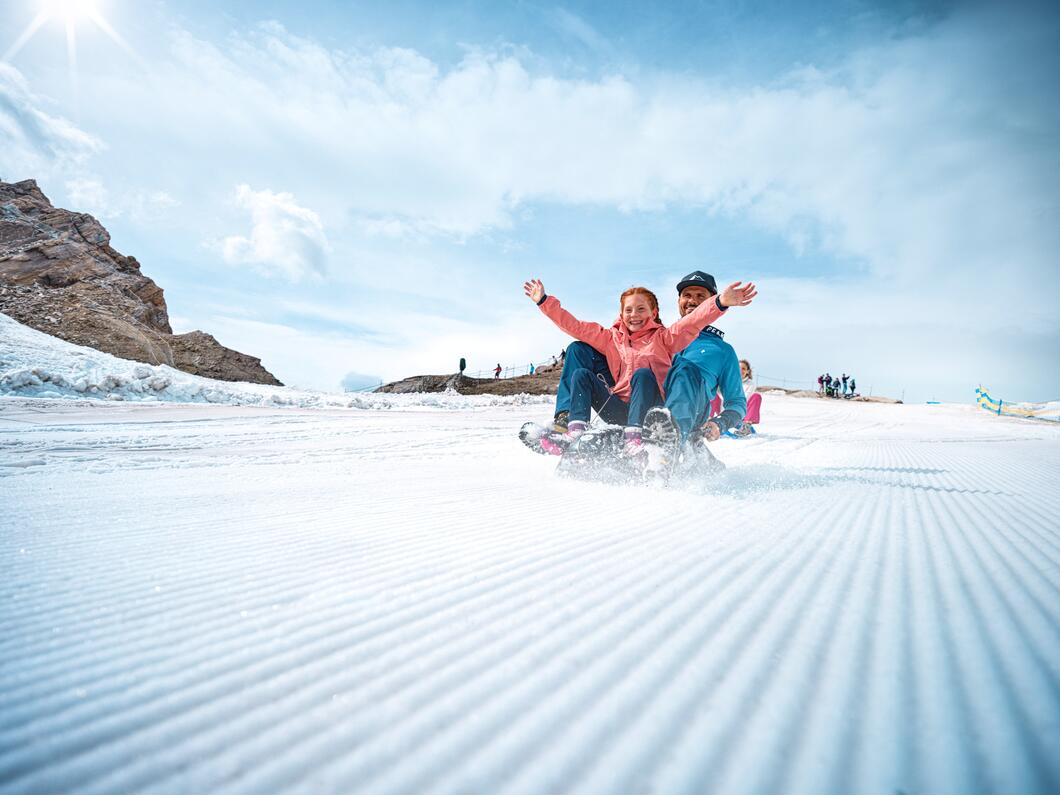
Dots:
(228, 599)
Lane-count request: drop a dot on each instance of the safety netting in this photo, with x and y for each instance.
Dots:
(1010, 408)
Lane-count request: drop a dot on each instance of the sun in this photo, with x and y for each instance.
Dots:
(69, 10)
(70, 13)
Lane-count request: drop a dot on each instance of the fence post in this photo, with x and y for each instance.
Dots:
(999, 401)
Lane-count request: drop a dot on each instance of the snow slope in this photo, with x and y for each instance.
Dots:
(207, 598)
(229, 588)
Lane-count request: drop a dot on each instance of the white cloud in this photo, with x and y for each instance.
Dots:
(577, 28)
(916, 159)
(285, 239)
(88, 194)
(33, 142)
(391, 228)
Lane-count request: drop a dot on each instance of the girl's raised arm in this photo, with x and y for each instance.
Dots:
(592, 333)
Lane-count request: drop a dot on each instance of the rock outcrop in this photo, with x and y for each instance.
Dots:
(60, 275)
(544, 382)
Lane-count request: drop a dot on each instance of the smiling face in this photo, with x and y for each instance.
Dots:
(745, 369)
(691, 297)
(636, 311)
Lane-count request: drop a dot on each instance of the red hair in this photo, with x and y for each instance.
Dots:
(653, 302)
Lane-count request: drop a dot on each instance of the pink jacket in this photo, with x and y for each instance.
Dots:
(652, 346)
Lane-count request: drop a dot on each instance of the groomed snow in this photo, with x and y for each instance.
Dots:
(255, 599)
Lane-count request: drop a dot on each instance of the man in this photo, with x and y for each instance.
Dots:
(697, 372)
(707, 365)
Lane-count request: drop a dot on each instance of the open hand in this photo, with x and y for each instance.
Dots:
(711, 432)
(735, 295)
(534, 290)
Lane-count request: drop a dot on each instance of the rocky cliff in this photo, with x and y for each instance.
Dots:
(59, 274)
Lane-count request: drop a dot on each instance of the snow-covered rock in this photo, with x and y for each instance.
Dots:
(34, 364)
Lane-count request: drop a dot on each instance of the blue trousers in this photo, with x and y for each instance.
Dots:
(580, 355)
(686, 395)
(588, 391)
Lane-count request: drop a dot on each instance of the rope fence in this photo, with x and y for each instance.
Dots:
(511, 372)
(1033, 411)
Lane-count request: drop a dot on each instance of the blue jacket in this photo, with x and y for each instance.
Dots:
(720, 369)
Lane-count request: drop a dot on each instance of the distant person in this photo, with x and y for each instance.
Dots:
(463, 365)
(853, 386)
(820, 384)
(845, 379)
(531, 368)
(497, 370)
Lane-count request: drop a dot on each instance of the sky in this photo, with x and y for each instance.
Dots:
(356, 191)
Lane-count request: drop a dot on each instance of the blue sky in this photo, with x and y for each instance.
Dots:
(362, 187)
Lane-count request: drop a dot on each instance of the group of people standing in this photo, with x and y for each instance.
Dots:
(837, 387)
(657, 381)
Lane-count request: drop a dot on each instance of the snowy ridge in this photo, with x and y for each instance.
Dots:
(34, 364)
(257, 600)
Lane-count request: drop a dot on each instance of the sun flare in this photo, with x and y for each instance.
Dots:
(71, 13)
(69, 10)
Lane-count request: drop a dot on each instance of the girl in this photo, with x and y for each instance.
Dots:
(754, 401)
(638, 349)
